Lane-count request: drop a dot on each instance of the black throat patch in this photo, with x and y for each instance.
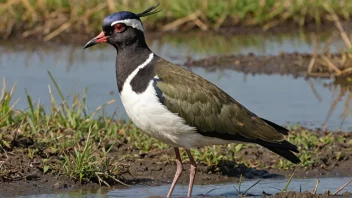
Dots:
(144, 76)
(127, 60)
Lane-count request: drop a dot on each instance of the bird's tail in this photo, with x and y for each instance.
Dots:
(284, 149)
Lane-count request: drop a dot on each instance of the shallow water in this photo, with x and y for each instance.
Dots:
(229, 190)
(277, 98)
(216, 190)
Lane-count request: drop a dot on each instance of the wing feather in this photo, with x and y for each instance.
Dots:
(214, 113)
(208, 108)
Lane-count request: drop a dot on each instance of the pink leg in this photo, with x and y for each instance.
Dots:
(192, 174)
(178, 171)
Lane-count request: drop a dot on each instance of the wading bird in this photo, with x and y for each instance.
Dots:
(176, 106)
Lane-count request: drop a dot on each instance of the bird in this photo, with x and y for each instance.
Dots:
(177, 106)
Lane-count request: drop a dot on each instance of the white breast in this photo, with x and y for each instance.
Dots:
(148, 114)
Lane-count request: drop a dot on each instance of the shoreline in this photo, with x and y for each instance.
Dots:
(156, 167)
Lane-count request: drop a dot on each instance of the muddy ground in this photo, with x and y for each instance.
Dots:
(24, 175)
(295, 64)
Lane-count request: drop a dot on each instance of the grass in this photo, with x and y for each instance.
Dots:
(288, 183)
(79, 139)
(69, 140)
(49, 18)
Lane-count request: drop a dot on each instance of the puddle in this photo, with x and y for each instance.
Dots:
(276, 98)
(229, 190)
(215, 190)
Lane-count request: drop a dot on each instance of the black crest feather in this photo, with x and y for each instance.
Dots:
(151, 10)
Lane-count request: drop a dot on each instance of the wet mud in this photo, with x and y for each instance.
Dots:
(295, 64)
(23, 174)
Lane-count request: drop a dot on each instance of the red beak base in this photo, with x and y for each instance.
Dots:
(101, 38)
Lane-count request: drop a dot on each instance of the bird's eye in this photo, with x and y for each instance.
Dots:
(119, 27)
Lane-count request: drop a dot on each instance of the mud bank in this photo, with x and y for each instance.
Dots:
(22, 173)
(295, 64)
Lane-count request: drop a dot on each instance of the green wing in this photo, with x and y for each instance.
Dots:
(205, 106)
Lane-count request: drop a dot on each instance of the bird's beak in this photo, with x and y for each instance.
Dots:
(101, 38)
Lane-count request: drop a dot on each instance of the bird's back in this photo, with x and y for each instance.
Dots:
(214, 113)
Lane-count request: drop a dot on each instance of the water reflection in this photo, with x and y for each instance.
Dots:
(215, 190)
(341, 90)
(229, 190)
(277, 98)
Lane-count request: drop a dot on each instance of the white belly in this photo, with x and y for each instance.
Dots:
(148, 114)
(153, 118)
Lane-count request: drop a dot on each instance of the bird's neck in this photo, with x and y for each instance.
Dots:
(128, 58)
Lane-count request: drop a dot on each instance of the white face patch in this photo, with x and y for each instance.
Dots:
(130, 22)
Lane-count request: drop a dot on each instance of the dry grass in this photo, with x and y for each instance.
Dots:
(48, 18)
(341, 65)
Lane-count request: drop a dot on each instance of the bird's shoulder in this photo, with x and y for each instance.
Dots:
(177, 76)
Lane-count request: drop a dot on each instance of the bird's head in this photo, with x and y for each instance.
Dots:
(122, 28)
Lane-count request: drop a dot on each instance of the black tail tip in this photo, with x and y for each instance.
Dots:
(295, 160)
(286, 153)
